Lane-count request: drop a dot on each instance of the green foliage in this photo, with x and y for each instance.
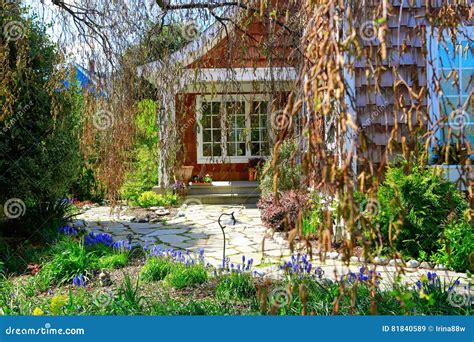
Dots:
(144, 166)
(66, 259)
(117, 260)
(457, 245)
(414, 206)
(87, 187)
(155, 269)
(39, 145)
(289, 172)
(182, 275)
(152, 199)
(236, 286)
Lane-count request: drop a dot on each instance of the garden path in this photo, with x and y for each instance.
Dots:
(196, 227)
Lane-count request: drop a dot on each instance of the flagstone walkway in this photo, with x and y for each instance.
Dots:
(196, 227)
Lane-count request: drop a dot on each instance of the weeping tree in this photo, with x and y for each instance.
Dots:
(366, 86)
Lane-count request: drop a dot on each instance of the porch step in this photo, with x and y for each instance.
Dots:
(227, 199)
(226, 192)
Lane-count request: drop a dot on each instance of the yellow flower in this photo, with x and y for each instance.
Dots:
(57, 304)
(38, 312)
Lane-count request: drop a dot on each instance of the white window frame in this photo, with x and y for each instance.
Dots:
(432, 69)
(247, 99)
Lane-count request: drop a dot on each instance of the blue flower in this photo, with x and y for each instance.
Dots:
(79, 281)
(67, 230)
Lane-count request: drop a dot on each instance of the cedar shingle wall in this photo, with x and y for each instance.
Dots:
(405, 61)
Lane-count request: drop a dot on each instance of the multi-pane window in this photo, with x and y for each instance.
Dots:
(259, 132)
(454, 66)
(232, 129)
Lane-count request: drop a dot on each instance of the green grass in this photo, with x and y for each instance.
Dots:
(236, 286)
(182, 276)
(155, 269)
(109, 262)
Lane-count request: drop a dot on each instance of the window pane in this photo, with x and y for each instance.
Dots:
(206, 121)
(254, 120)
(206, 150)
(216, 107)
(216, 134)
(467, 57)
(255, 135)
(240, 134)
(241, 149)
(240, 121)
(265, 149)
(447, 56)
(206, 135)
(467, 81)
(231, 149)
(450, 82)
(255, 149)
(216, 150)
(206, 108)
(216, 121)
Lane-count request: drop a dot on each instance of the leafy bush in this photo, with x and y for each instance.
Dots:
(236, 285)
(41, 125)
(414, 206)
(182, 275)
(457, 244)
(289, 171)
(155, 269)
(152, 199)
(274, 213)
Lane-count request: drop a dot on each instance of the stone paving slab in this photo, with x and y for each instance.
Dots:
(197, 228)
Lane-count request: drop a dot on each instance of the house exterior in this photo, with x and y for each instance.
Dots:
(249, 74)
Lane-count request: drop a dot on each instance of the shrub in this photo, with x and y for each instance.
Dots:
(236, 285)
(457, 244)
(273, 213)
(155, 269)
(152, 199)
(40, 124)
(415, 203)
(186, 275)
(289, 172)
(112, 261)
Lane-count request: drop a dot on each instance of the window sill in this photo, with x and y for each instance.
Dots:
(238, 160)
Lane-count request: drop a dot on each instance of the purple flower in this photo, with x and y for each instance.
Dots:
(67, 230)
(79, 281)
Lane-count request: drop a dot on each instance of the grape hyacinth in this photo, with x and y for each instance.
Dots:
(95, 239)
(67, 230)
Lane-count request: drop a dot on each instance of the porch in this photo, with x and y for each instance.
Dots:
(244, 193)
